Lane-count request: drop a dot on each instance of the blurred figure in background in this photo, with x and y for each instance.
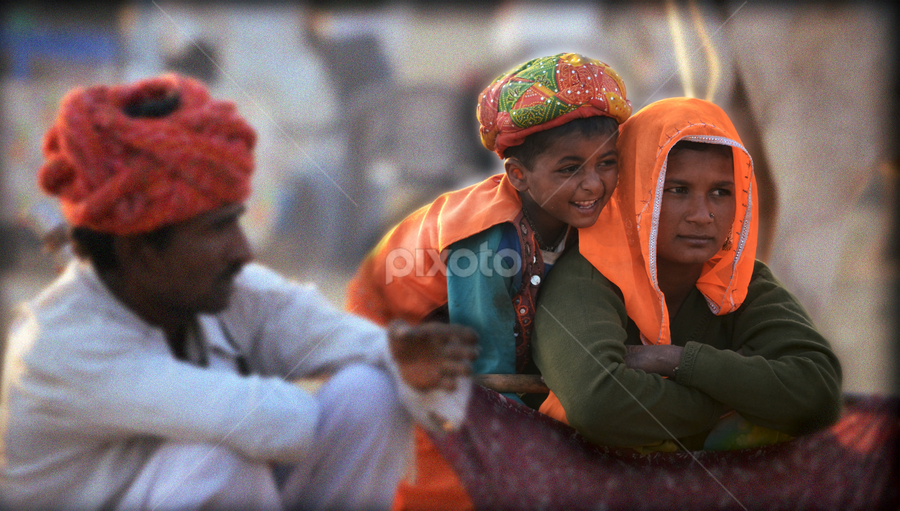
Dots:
(368, 95)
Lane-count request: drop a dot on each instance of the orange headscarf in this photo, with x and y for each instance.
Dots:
(622, 244)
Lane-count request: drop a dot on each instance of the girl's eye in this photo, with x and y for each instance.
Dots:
(676, 189)
(722, 192)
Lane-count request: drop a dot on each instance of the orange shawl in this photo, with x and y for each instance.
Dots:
(414, 249)
(622, 244)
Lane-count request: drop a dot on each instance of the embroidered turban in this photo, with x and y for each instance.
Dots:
(120, 167)
(545, 93)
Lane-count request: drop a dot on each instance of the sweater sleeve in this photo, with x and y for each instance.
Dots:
(579, 346)
(786, 378)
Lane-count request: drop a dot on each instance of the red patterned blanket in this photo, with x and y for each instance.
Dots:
(511, 457)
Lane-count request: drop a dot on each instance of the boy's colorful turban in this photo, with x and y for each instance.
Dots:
(547, 92)
(122, 172)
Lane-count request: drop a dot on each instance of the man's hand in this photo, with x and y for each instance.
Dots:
(432, 355)
(661, 359)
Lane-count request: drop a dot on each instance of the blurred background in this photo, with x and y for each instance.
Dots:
(366, 111)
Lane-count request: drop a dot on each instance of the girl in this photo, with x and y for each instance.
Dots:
(664, 332)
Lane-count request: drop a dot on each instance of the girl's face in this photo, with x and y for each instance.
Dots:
(698, 206)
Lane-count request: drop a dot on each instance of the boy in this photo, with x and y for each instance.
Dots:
(477, 256)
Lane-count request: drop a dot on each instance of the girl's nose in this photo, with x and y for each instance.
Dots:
(700, 211)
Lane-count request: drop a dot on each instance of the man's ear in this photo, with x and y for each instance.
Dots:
(516, 174)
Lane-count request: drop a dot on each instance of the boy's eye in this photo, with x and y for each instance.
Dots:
(571, 169)
(609, 161)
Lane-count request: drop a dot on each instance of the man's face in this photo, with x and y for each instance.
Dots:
(195, 270)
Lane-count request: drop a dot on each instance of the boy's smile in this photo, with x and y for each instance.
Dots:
(569, 183)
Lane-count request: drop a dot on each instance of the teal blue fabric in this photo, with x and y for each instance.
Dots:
(480, 297)
(482, 300)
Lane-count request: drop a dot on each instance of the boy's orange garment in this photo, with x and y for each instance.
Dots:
(622, 244)
(437, 488)
(413, 250)
(404, 277)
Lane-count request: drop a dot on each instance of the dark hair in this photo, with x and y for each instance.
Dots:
(537, 143)
(98, 246)
(690, 145)
(154, 107)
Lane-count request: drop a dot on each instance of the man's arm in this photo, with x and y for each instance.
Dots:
(292, 331)
(109, 380)
(432, 356)
(579, 347)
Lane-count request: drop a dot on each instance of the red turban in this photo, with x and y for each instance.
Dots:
(122, 174)
(547, 92)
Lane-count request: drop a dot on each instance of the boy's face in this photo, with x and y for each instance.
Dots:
(697, 209)
(572, 180)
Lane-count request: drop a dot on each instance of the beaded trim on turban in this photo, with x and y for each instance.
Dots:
(547, 92)
(122, 172)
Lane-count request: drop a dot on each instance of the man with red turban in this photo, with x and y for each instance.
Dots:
(161, 369)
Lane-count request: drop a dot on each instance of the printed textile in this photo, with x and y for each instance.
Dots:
(538, 463)
(547, 92)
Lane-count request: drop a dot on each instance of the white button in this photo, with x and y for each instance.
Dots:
(535, 280)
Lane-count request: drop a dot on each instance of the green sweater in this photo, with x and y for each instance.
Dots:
(787, 378)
